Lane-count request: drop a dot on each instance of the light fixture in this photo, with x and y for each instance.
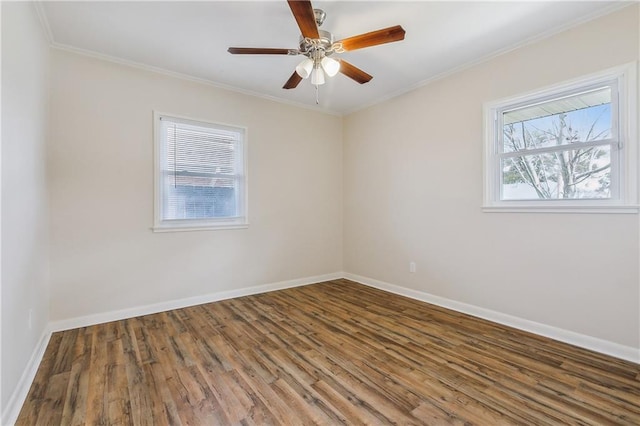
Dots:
(317, 76)
(330, 66)
(304, 68)
(317, 66)
(317, 63)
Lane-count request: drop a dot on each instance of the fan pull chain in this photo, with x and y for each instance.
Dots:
(317, 95)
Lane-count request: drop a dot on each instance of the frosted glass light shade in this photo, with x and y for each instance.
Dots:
(317, 77)
(330, 66)
(304, 68)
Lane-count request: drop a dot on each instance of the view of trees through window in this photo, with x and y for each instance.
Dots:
(565, 154)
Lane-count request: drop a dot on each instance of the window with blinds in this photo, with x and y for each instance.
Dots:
(200, 175)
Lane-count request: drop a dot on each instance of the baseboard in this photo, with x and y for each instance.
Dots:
(103, 317)
(598, 345)
(11, 411)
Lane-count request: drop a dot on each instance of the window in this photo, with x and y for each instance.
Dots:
(571, 147)
(200, 175)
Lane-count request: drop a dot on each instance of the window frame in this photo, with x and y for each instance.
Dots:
(624, 197)
(172, 225)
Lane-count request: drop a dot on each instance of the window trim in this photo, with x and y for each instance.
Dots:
(160, 225)
(627, 168)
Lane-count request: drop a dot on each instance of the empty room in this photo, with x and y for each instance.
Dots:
(319, 212)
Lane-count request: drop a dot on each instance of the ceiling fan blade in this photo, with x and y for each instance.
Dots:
(257, 51)
(293, 81)
(305, 17)
(354, 72)
(374, 38)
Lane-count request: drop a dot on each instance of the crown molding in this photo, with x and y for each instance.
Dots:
(44, 21)
(614, 7)
(187, 77)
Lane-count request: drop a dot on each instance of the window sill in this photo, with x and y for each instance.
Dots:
(628, 209)
(199, 227)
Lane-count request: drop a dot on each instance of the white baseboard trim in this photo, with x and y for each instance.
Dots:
(13, 407)
(599, 345)
(85, 321)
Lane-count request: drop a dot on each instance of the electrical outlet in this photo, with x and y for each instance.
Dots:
(412, 267)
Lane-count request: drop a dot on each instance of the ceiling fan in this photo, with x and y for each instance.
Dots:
(318, 46)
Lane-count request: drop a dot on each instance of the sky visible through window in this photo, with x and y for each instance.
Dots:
(574, 172)
(586, 124)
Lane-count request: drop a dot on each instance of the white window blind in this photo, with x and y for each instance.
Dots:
(200, 174)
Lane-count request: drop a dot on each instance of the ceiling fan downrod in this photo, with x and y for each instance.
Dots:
(320, 16)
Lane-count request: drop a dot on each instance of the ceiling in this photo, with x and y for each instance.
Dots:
(191, 38)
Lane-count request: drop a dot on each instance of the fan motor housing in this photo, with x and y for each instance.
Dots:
(324, 42)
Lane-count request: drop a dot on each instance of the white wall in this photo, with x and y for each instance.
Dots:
(104, 256)
(413, 191)
(25, 67)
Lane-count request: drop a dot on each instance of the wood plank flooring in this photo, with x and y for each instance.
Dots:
(330, 353)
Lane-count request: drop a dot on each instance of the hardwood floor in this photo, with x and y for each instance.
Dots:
(330, 353)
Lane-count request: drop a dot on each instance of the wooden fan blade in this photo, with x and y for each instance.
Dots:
(257, 51)
(303, 12)
(293, 81)
(354, 72)
(374, 38)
